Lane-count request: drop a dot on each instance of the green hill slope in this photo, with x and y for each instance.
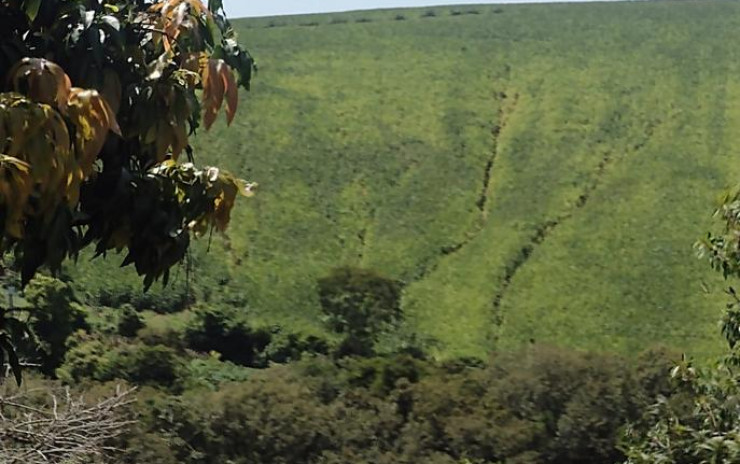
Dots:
(532, 172)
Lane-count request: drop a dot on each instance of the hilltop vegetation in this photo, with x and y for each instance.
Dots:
(528, 173)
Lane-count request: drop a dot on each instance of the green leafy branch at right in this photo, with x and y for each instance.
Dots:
(700, 421)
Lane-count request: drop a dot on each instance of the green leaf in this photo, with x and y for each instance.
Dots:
(31, 8)
(111, 21)
(215, 5)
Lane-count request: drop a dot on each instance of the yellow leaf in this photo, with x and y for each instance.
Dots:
(94, 118)
(218, 80)
(15, 189)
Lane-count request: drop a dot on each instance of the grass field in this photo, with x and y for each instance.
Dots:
(531, 172)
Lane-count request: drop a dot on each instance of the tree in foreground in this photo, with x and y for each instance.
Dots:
(98, 101)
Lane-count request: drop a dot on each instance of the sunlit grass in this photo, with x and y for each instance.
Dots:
(369, 136)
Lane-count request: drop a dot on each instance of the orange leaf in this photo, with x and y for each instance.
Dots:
(219, 82)
(42, 80)
(213, 91)
(232, 94)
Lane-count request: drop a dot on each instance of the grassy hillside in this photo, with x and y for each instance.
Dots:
(531, 172)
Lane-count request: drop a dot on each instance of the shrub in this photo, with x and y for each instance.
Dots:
(400, 17)
(91, 358)
(210, 372)
(543, 405)
(165, 302)
(292, 347)
(381, 375)
(84, 357)
(272, 418)
(129, 321)
(361, 305)
(55, 316)
(162, 335)
(429, 14)
(220, 330)
(158, 366)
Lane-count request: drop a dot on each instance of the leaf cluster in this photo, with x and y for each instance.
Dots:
(98, 101)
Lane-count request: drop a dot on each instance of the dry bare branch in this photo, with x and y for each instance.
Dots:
(68, 430)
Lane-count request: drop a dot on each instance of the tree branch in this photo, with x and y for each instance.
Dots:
(67, 431)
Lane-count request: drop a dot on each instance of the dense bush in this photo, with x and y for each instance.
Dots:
(92, 358)
(289, 347)
(146, 365)
(129, 321)
(160, 302)
(222, 331)
(359, 304)
(210, 372)
(542, 406)
(54, 316)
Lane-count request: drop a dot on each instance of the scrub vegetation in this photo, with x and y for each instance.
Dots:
(473, 243)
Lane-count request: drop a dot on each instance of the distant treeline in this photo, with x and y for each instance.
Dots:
(432, 13)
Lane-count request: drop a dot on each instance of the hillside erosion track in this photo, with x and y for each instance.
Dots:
(546, 228)
(506, 107)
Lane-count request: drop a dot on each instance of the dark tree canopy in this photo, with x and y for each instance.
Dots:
(98, 102)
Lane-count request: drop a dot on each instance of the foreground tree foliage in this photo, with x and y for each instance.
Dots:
(98, 102)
